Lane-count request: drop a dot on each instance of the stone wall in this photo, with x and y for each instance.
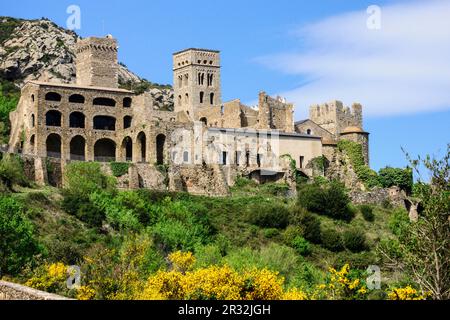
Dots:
(13, 291)
(275, 113)
(378, 196)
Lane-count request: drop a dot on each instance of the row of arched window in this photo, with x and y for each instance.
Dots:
(209, 79)
(78, 119)
(78, 98)
(211, 97)
(104, 149)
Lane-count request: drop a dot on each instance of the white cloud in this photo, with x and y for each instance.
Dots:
(402, 68)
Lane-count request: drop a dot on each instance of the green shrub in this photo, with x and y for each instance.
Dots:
(302, 246)
(271, 233)
(332, 240)
(399, 177)
(18, 244)
(85, 178)
(331, 200)
(354, 240)
(309, 223)
(268, 215)
(275, 189)
(11, 172)
(292, 232)
(208, 255)
(367, 212)
(119, 217)
(273, 257)
(399, 222)
(119, 168)
(241, 182)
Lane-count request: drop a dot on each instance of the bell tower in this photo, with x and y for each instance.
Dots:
(196, 80)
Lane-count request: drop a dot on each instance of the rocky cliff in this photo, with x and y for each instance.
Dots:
(41, 50)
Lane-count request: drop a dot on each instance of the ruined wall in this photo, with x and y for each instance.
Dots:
(334, 117)
(275, 114)
(13, 291)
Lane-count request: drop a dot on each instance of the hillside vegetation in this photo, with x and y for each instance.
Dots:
(255, 244)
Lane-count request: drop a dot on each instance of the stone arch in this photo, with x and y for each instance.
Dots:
(53, 118)
(101, 101)
(160, 142)
(77, 120)
(105, 150)
(186, 98)
(180, 101)
(33, 120)
(32, 143)
(76, 98)
(308, 131)
(105, 123)
(127, 149)
(127, 120)
(204, 120)
(53, 96)
(127, 101)
(78, 148)
(142, 145)
(53, 145)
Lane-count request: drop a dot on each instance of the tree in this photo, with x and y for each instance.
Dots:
(423, 247)
(17, 242)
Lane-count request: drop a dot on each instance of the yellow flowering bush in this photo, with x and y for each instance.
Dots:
(294, 294)
(407, 293)
(50, 277)
(341, 286)
(182, 261)
(263, 285)
(85, 293)
(163, 285)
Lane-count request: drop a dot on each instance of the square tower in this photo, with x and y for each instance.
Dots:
(96, 62)
(196, 80)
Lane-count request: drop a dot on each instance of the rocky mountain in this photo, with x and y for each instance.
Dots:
(41, 50)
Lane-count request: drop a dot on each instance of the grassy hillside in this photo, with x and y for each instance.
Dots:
(91, 224)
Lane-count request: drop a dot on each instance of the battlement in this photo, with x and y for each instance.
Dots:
(275, 113)
(96, 62)
(335, 117)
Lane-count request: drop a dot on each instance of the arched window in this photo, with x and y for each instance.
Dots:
(76, 98)
(127, 148)
(160, 141)
(127, 102)
(210, 79)
(53, 96)
(201, 78)
(211, 98)
(180, 81)
(105, 150)
(32, 120)
(53, 118)
(179, 100)
(53, 145)
(77, 120)
(142, 146)
(32, 98)
(308, 131)
(108, 102)
(201, 96)
(204, 120)
(77, 148)
(186, 98)
(186, 79)
(32, 142)
(127, 122)
(104, 123)
(186, 157)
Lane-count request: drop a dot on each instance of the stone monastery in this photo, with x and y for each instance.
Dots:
(199, 147)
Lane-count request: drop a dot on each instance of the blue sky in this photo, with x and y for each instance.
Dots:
(307, 51)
